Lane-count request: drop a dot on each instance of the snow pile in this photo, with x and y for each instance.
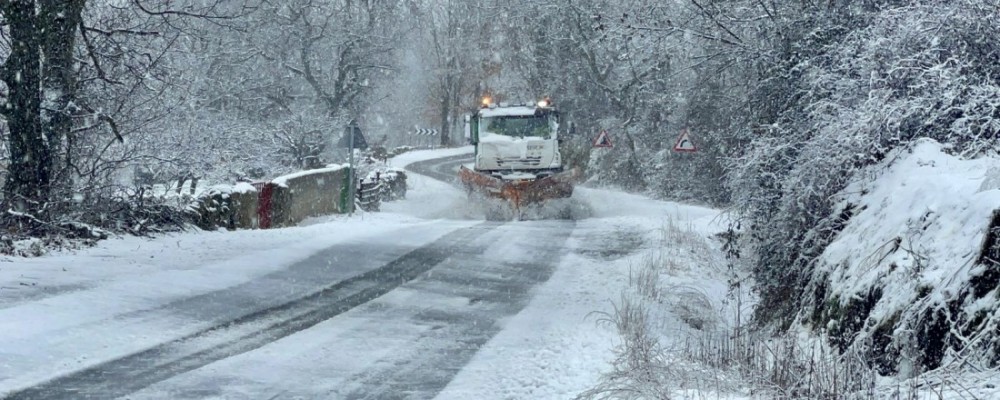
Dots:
(902, 282)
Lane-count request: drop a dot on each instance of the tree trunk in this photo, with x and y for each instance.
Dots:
(28, 180)
(42, 85)
(445, 113)
(60, 19)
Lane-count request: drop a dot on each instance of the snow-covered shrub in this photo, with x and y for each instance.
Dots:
(666, 299)
(641, 369)
(31, 247)
(856, 89)
(393, 182)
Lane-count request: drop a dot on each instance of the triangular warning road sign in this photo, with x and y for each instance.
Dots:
(603, 140)
(684, 143)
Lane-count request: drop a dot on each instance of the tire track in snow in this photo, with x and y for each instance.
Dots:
(496, 291)
(131, 373)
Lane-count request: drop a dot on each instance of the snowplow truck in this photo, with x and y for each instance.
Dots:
(517, 156)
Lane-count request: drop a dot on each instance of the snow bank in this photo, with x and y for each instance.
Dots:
(907, 256)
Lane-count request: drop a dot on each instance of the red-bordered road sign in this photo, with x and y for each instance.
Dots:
(684, 143)
(603, 140)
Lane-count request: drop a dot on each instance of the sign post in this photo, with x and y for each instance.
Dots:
(352, 129)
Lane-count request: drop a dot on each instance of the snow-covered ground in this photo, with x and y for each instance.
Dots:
(66, 311)
(556, 347)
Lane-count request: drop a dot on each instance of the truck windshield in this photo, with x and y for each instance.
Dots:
(519, 126)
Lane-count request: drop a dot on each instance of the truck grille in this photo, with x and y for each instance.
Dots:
(519, 162)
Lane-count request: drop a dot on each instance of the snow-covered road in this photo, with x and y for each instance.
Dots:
(423, 300)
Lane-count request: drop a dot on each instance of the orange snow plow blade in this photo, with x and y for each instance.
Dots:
(521, 192)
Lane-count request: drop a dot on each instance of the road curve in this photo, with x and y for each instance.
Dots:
(443, 169)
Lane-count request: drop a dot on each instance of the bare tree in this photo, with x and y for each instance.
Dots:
(322, 59)
(77, 70)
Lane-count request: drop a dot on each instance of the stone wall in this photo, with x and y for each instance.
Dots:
(285, 201)
(231, 207)
(308, 194)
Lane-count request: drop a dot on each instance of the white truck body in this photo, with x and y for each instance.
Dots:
(516, 142)
(517, 157)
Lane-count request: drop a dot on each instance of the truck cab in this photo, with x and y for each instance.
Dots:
(516, 141)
